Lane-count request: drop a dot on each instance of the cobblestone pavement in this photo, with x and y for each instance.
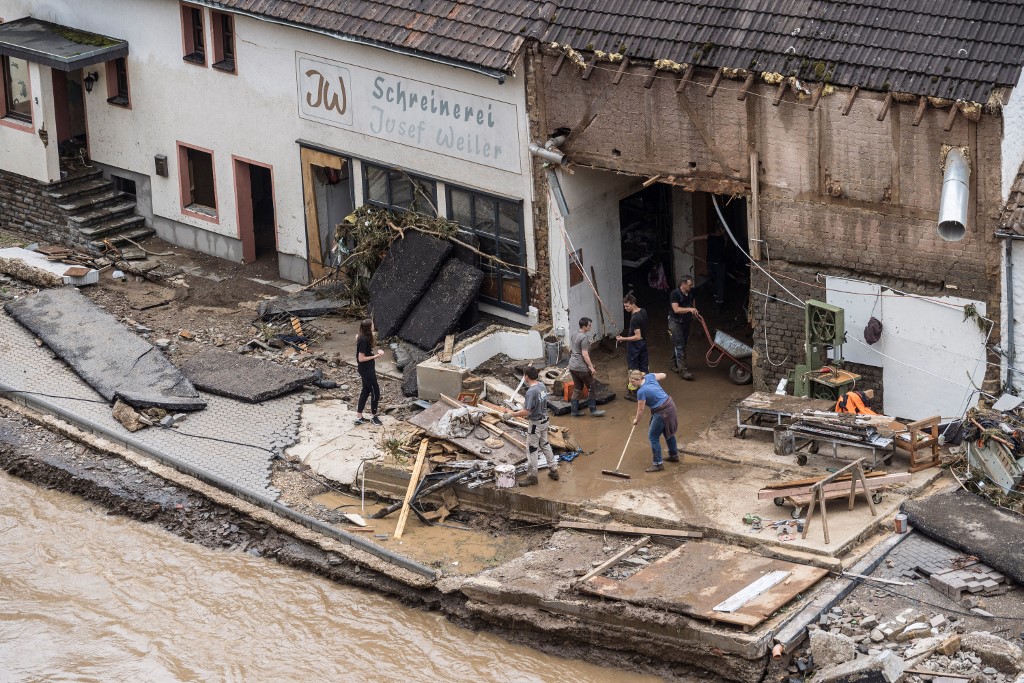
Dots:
(201, 440)
(916, 557)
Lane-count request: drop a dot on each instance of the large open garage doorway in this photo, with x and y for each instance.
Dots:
(667, 232)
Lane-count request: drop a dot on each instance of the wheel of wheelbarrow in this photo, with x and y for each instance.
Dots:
(739, 375)
(876, 497)
(740, 432)
(779, 501)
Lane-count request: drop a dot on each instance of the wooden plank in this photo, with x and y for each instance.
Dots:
(810, 481)
(748, 83)
(615, 559)
(873, 483)
(623, 65)
(751, 591)
(651, 75)
(754, 208)
(309, 158)
(589, 70)
(449, 348)
(849, 100)
(922, 104)
(630, 530)
(714, 83)
(950, 118)
(414, 481)
(558, 65)
(885, 107)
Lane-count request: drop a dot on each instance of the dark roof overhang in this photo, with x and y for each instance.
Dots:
(59, 47)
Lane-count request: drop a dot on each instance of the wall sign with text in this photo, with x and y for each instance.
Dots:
(422, 115)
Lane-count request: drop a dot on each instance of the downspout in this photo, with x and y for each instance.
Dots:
(1011, 350)
(954, 198)
(553, 156)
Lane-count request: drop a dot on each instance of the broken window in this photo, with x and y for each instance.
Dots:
(399, 191)
(193, 34)
(16, 100)
(117, 82)
(223, 41)
(498, 225)
(198, 187)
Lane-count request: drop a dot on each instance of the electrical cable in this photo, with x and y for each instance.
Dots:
(67, 398)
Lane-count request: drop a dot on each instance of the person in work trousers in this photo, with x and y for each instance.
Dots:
(366, 363)
(855, 402)
(636, 342)
(581, 367)
(664, 419)
(535, 407)
(679, 319)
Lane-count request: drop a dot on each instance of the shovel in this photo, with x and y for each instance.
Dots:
(616, 472)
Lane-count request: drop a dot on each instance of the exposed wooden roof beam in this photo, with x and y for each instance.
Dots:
(849, 100)
(951, 118)
(558, 65)
(589, 71)
(622, 70)
(714, 83)
(885, 107)
(745, 90)
(922, 104)
(651, 75)
(780, 92)
(685, 78)
(816, 96)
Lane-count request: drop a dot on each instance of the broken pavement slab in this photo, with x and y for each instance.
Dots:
(438, 312)
(403, 277)
(248, 379)
(112, 360)
(973, 525)
(332, 445)
(34, 268)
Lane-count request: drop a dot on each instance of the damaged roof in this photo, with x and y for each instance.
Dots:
(484, 33)
(954, 49)
(1011, 219)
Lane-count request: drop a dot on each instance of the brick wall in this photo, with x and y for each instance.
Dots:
(25, 208)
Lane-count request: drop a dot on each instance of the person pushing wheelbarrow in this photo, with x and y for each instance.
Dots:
(664, 419)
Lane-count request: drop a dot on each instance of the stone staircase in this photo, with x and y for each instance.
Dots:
(98, 211)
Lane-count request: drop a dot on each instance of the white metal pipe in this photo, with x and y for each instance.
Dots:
(547, 154)
(953, 201)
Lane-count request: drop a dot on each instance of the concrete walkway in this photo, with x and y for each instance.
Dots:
(230, 440)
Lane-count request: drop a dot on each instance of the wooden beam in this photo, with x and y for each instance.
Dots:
(615, 559)
(629, 530)
(449, 348)
(414, 481)
(714, 83)
(754, 210)
(590, 68)
(816, 96)
(622, 70)
(885, 107)
(650, 181)
(922, 104)
(951, 118)
(651, 75)
(748, 83)
(780, 92)
(558, 64)
(850, 99)
(685, 78)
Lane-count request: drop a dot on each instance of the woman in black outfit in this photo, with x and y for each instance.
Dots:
(366, 362)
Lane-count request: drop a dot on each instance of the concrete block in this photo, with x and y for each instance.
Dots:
(937, 621)
(434, 378)
(918, 629)
(950, 646)
(596, 515)
(482, 588)
(885, 666)
(974, 587)
(869, 622)
(994, 651)
(831, 649)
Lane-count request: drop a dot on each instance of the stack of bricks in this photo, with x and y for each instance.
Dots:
(974, 578)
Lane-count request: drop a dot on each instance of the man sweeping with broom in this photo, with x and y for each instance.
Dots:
(664, 419)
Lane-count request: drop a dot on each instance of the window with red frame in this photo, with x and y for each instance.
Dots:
(193, 34)
(117, 82)
(223, 41)
(17, 104)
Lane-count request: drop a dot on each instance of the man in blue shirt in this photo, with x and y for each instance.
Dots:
(664, 419)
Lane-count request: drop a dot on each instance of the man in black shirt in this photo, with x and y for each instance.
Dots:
(681, 302)
(636, 342)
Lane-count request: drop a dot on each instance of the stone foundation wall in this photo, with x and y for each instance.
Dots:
(25, 208)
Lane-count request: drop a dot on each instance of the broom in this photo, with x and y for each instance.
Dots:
(616, 472)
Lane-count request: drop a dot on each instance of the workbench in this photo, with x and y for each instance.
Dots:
(760, 408)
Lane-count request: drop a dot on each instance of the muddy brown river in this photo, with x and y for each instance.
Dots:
(89, 597)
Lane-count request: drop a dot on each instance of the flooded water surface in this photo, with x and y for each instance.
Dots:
(90, 597)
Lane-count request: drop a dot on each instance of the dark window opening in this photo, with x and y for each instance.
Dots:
(498, 225)
(195, 40)
(223, 42)
(399, 191)
(17, 103)
(117, 74)
(200, 180)
(124, 185)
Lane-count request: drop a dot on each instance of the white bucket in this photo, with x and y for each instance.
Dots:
(504, 476)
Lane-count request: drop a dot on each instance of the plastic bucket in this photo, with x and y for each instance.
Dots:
(504, 476)
(785, 440)
(733, 346)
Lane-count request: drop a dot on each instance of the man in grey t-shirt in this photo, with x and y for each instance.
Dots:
(535, 409)
(581, 367)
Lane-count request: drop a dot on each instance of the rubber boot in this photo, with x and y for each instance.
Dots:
(630, 395)
(684, 372)
(594, 412)
(575, 403)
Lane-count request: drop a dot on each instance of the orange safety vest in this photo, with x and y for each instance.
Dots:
(853, 402)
